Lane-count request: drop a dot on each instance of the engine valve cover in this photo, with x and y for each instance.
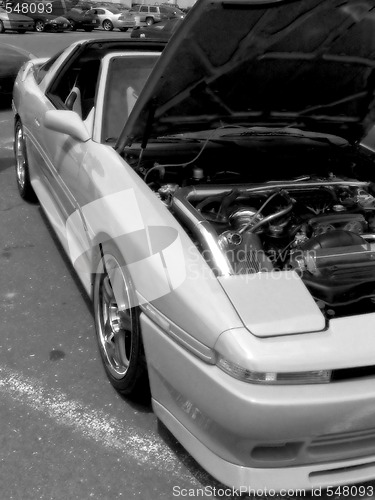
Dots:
(355, 223)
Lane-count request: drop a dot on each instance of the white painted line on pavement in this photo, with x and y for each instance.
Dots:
(92, 423)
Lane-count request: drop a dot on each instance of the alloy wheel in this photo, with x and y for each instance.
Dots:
(39, 26)
(115, 323)
(20, 158)
(107, 25)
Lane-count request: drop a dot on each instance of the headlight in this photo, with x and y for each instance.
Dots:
(291, 378)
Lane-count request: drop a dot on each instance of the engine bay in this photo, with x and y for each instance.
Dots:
(320, 224)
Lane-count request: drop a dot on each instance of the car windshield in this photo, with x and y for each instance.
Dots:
(126, 78)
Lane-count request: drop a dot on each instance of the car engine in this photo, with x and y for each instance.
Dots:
(316, 216)
(323, 228)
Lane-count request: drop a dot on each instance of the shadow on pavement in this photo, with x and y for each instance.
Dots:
(5, 102)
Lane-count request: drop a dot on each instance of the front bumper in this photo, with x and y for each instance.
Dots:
(274, 436)
(57, 27)
(265, 481)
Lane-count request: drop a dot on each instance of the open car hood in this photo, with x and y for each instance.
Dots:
(302, 63)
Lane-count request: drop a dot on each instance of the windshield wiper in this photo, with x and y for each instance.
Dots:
(174, 138)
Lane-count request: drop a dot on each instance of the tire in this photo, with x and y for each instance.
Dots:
(21, 32)
(149, 21)
(73, 26)
(39, 26)
(88, 30)
(2, 29)
(107, 25)
(22, 167)
(123, 29)
(118, 327)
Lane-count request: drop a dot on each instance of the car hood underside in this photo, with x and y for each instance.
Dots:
(303, 63)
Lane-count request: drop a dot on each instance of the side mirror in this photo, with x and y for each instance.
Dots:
(66, 122)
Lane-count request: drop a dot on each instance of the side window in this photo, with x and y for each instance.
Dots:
(153, 9)
(45, 67)
(101, 11)
(143, 9)
(75, 89)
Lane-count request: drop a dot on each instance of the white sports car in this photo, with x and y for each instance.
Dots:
(216, 198)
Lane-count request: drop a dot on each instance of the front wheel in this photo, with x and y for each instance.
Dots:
(149, 21)
(22, 168)
(107, 25)
(73, 26)
(39, 25)
(118, 327)
(2, 29)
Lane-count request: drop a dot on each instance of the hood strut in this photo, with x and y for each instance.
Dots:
(149, 122)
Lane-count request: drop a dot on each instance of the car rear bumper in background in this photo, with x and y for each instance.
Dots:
(20, 25)
(124, 24)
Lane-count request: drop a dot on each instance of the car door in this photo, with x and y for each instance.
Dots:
(121, 77)
(100, 14)
(143, 12)
(154, 13)
(82, 172)
(50, 151)
(63, 153)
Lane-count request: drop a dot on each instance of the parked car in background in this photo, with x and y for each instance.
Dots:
(82, 18)
(43, 21)
(11, 61)
(111, 17)
(158, 31)
(151, 14)
(13, 21)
